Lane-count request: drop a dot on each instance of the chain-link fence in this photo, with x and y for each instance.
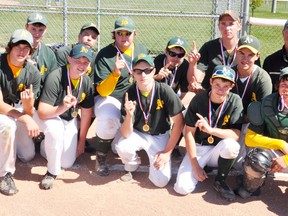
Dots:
(156, 20)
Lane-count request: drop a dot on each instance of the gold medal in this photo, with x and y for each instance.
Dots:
(131, 79)
(146, 127)
(210, 139)
(74, 113)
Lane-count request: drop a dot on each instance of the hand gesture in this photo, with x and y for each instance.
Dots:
(194, 55)
(164, 72)
(119, 64)
(194, 86)
(203, 125)
(278, 164)
(69, 100)
(27, 97)
(129, 105)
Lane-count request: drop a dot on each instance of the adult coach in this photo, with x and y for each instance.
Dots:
(213, 122)
(113, 77)
(278, 60)
(268, 134)
(146, 111)
(67, 92)
(19, 85)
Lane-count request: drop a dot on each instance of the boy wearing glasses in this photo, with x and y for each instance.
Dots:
(213, 122)
(113, 77)
(171, 68)
(146, 110)
(268, 135)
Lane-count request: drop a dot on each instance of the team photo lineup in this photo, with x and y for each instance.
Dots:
(216, 98)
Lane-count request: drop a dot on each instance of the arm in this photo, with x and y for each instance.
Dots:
(198, 171)
(85, 121)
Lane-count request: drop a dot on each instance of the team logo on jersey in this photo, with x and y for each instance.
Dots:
(226, 120)
(253, 97)
(43, 70)
(83, 96)
(88, 72)
(21, 87)
(124, 22)
(83, 49)
(160, 104)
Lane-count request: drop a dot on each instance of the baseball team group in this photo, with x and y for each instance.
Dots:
(230, 110)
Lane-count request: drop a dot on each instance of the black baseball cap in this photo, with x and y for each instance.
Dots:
(283, 72)
(286, 25)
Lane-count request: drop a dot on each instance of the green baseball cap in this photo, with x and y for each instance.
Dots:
(250, 42)
(37, 18)
(177, 42)
(233, 14)
(22, 35)
(283, 72)
(81, 50)
(90, 25)
(224, 72)
(124, 23)
(286, 25)
(143, 57)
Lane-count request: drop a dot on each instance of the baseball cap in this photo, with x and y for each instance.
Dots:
(177, 42)
(249, 42)
(233, 14)
(22, 35)
(124, 23)
(90, 25)
(224, 72)
(37, 18)
(286, 25)
(81, 50)
(143, 57)
(283, 72)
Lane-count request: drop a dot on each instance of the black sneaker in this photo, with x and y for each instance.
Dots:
(7, 185)
(101, 165)
(47, 181)
(224, 190)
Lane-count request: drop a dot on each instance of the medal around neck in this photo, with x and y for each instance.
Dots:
(210, 139)
(74, 113)
(131, 79)
(146, 127)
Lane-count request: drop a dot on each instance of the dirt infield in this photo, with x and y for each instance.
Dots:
(79, 191)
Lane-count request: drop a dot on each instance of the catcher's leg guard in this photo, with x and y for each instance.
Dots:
(256, 166)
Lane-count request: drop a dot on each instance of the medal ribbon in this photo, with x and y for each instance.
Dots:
(70, 86)
(246, 86)
(173, 75)
(210, 112)
(129, 68)
(146, 116)
(223, 56)
(282, 105)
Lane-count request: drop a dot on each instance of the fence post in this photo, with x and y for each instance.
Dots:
(65, 22)
(98, 24)
(245, 17)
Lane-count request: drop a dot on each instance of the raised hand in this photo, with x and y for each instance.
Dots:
(194, 86)
(129, 105)
(69, 100)
(194, 55)
(202, 124)
(27, 97)
(119, 64)
(164, 72)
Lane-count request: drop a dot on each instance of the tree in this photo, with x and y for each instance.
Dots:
(254, 4)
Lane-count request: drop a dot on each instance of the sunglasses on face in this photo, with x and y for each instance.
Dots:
(140, 71)
(119, 33)
(173, 54)
(224, 73)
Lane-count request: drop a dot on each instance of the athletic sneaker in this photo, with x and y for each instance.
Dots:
(127, 177)
(224, 190)
(47, 181)
(7, 185)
